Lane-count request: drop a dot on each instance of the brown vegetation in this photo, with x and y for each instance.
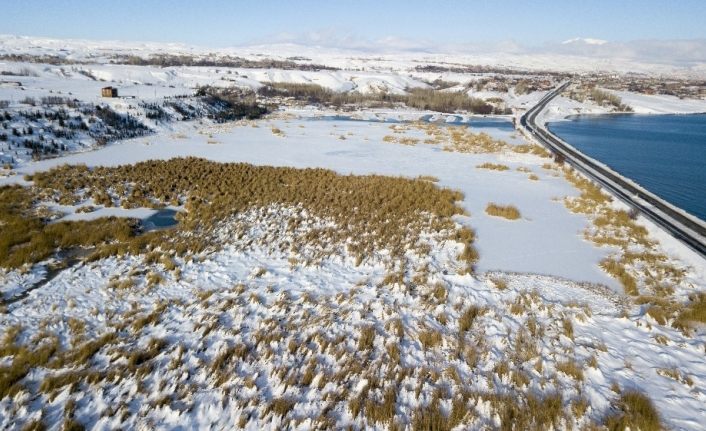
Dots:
(389, 212)
(509, 212)
(493, 166)
(27, 238)
(635, 411)
(424, 99)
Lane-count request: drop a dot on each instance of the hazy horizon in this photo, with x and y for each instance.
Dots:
(532, 25)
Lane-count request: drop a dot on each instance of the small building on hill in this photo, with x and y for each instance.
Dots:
(109, 92)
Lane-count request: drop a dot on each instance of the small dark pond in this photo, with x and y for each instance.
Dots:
(162, 219)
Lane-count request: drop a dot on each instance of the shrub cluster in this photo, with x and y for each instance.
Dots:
(424, 99)
(230, 104)
(172, 60)
(602, 97)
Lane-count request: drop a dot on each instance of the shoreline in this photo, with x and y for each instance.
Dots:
(615, 169)
(626, 113)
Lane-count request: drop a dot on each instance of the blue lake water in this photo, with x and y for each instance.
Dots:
(666, 154)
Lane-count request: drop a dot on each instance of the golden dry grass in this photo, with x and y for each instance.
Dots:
(493, 166)
(390, 212)
(634, 411)
(531, 149)
(695, 309)
(570, 368)
(465, 322)
(637, 264)
(509, 212)
(499, 283)
(27, 238)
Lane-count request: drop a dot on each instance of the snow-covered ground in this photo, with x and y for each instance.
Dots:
(561, 106)
(546, 240)
(238, 329)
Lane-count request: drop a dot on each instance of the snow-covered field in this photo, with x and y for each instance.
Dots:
(562, 107)
(248, 335)
(547, 240)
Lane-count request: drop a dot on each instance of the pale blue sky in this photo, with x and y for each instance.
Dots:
(227, 23)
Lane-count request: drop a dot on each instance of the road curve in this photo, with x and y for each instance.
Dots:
(681, 225)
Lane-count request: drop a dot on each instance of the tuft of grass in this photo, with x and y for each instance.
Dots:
(393, 351)
(430, 338)
(280, 407)
(384, 411)
(72, 425)
(34, 425)
(439, 292)
(393, 278)
(83, 353)
(465, 322)
(140, 356)
(126, 283)
(509, 212)
(567, 327)
(430, 417)
(617, 270)
(579, 407)
(695, 309)
(531, 149)
(499, 283)
(571, 368)
(545, 412)
(635, 411)
(675, 374)
(493, 166)
(367, 338)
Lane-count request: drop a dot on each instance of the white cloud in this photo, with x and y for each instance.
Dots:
(586, 40)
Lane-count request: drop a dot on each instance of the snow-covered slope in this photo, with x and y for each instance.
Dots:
(366, 59)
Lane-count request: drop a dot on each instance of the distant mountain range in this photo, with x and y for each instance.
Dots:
(684, 58)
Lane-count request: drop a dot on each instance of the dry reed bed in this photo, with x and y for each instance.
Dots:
(371, 213)
(460, 139)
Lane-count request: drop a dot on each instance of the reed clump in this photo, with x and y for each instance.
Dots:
(493, 166)
(509, 212)
(634, 411)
